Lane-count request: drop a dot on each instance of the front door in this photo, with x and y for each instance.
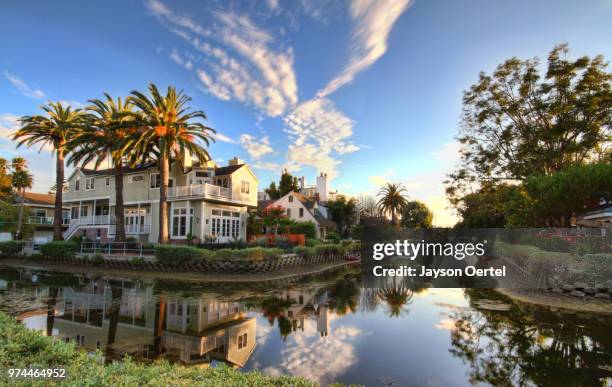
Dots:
(134, 221)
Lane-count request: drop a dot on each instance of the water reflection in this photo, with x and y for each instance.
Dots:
(325, 328)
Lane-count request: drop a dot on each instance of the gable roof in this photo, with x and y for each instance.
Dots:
(228, 170)
(308, 203)
(221, 171)
(38, 198)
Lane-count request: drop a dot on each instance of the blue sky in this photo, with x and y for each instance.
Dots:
(366, 91)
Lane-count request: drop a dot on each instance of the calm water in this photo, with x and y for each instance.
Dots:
(325, 328)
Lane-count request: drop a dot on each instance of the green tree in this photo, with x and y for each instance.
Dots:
(392, 200)
(109, 123)
(55, 129)
(167, 131)
(288, 183)
(518, 122)
(273, 192)
(21, 179)
(343, 212)
(5, 180)
(416, 215)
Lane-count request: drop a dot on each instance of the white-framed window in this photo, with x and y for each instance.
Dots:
(84, 210)
(289, 212)
(77, 184)
(74, 213)
(135, 178)
(290, 198)
(301, 212)
(107, 182)
(89, 183)
(154, 180)
(222, 181)
(242, 341)
(245, 187)
(179, 222)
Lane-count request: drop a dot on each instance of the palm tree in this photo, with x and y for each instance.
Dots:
(20, 180)
(108, 124)
(167, 131)
(55, 129)
(392, 200)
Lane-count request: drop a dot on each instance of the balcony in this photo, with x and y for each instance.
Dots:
(46, 220)
(204, 191)
(132, 229)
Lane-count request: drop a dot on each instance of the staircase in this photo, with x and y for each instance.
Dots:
(72, 228)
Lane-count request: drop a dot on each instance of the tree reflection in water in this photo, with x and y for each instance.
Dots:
(528, 345)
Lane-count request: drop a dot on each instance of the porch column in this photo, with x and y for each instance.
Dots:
(80, 209)
(188, 230)
(94, 212)
(139, 227)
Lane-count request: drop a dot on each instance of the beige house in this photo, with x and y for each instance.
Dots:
(303, 209)
(205, 201)
(40, 209)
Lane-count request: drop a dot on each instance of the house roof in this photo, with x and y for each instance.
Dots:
(38, 198)
(263, 204)
(308, 203)
(227, 170)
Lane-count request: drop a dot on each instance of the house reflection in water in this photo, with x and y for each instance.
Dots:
(308, 304)
(148, 326)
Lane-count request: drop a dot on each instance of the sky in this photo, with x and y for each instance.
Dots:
(366, 91)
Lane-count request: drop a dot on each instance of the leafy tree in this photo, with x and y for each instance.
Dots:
(288, 183)
(416, 215)
(5, 180)
(109, 124)
(518, 122)
(273, 192)
(392, 200)
(9, 219)
(343, 212)
(275, 218)
(167, 131)
(56, 128)
(309, 229)
(570, 191)
(21, 179)
(367, 206)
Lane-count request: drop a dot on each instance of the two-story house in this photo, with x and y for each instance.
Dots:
(303, 209)
(40, 208)
(205, 201)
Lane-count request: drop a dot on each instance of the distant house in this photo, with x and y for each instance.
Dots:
(41, 213)
(600, 217)
(302, 209)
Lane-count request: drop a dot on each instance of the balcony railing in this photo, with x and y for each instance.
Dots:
(132, 229)
(93, 220)
(46, 220)
(205, 190)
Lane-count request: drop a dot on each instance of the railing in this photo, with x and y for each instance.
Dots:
(132, 229)
(118, 248)
(205, 190)
(93, 220)
(46, 220)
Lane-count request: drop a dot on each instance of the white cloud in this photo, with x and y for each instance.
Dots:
(23, 87)
(9, 123)
(256, 148)
(273, 4)
(252, 68)
(319, 132)
(223, 138)
(267, 165)
(373, 20)
(178, 59)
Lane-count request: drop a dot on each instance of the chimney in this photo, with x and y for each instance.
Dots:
(235, 161)
(322, 187)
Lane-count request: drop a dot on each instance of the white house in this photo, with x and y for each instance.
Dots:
(302, 209)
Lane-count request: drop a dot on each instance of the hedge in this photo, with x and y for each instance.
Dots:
(10, 248)
(329, 249)
(21, 347)
(58, 249)
(177, 255)
(170, 254)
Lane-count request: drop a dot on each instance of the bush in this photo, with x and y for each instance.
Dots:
(10, 248)
(58, 249)
(589, 245)
(304, 251)
(307, 228)
(21, 347)
(36, 256)
(97, 259)
(313, 242)
(333, 236)
(548, 244)
(178, 255)
(282, 243)
(329, 249)
(78, 239)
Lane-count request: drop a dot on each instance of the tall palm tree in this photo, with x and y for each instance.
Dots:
(109, 123)
(55, 129)
(392, 200)
(167, 131)
(21, 179)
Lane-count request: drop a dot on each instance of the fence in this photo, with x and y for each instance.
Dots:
(117, 248)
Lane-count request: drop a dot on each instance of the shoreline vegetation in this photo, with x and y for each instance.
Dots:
(21, 347)
(558, 301)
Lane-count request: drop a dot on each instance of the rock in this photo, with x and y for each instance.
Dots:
(567, 287)
(580, 285)
(557, 290)
(577, 293)
(590, 291)
(601, 287)
(603, 296)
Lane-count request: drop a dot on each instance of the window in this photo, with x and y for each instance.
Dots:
(107, 182)
(77, 185)
(84, 210)
(242, 341)
(301, 212)
(74, 213)
(40, 213)
(290, 198)
(135, 178)
(201, 174)
(222, 181)
(245, 187)
(89, 183)
(179, 221)
(235, 228)
(154, 180)
(289, 212)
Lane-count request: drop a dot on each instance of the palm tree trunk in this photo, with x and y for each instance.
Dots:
(119, 210)
(20, 221)
(164, 174)
(59, 189)
(51, 301)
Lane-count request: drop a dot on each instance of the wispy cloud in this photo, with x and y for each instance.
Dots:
(373, 20)
(23, 87)
(178, 59)
(254, 147)
(9, 123)
(223, 138)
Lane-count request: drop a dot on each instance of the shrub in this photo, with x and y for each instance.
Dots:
(589, 245)
(329, 249)
(282, 243)
(36, 256)
(10, 248)
(333, 236)
(97, 259)
(260, 241)
(312, 242)
(177, 255)
(304, 251)
(58, 249)
(77, 239)
(307, 228)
